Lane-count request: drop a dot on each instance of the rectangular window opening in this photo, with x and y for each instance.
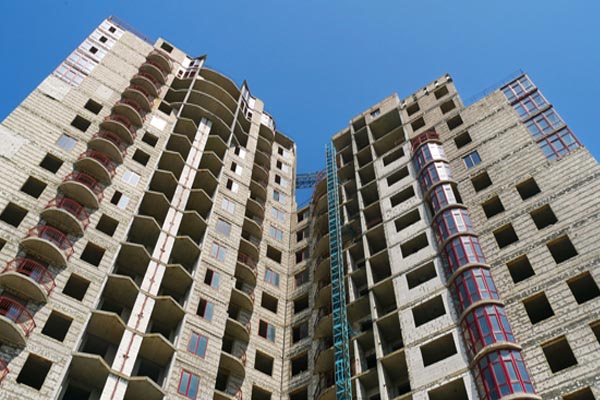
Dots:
(492, 207)
(13, 214)
(438, 350)
(528, 188)
(562, 249)
(505, 236)
(407, 220)
(34, 371)
(538, 308)
(428, 311)
(269, 302)
(76, 287)
(462, 140)
(403, 196)
(414, 245)
(421, 275)
(520, 269)
(543, 217)
(80, 123)
(51, 163)
(583, 287)
(559, 354)
(33, 187)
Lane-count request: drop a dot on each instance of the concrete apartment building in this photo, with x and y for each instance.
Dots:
(151, 247)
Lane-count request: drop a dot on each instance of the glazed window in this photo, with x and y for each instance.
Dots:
(428, 153)
(266, 330)
(277, 214)
(485, 326)
(223, 227)
(518, 88)
(206, 309)
(218, 251)
(473, 285)
(188, 384)
(435, 172)
(228, 205)
(558, 144)
(530, 105)
(502, 373)
(271, 277)
(544, 124)
(212, 278)
(451, 222)
(461, 251)
(472, 159)
(275, 233)
(198, 344)
(442, 196)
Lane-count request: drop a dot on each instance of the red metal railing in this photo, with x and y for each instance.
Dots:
(88, 181)
(149, 77)
(3, 370)
(53, 235)
(18, 314)
(123, 121)
(164, 57)
(34, 270)
(140, 89)
(246, 260)
(133, 104)
(102, 158)
(114, 139)
(72, 207)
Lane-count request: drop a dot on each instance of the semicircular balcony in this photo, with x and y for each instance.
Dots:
(263, 159)
(216, 91)
(83, 188)
(259, 172)
(109, 143)
(147, 80)
(323, 359)
(29, 278)
(212, 105)
(235, 363)
(222, 81)
(237, 330)
(246, 268)
(66, 214)
(323, 323)
(256, 206)
(161, 61)
(16, 323)
(258, 188)
(253, 225)
(131, 109)
(48, 243)
(322, 267)
(121, 125)
(242, 296)
(249, 245)
(96, 164)
(322, 293)
(325, 389)
(264, 145)
(140, 95)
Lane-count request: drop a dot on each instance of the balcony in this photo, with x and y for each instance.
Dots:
(322, 294)
(164, 182)
(258, 188)
(121, 125)
(237, 329)
(83, 188)
(193, 226)
(144, 231)
(130, 109)
(66, 214)
(211, 161)
(166, 316)
(155, 205)
(246, 268)
(323, 267)
(160, 60)
(110, 144)
(256, 206)
(49, 244)
(323, 359)
(200, 202)
(242, 297)
(3, 370)
(28, 278)
(16, 323)
(140, 95)
(89, 370)
(249, 245)
(253, 225)
(233, 362)
(325, 390)
(141, 387)
(185, 252)
(323, 323)
(148, 81)
(96, 164)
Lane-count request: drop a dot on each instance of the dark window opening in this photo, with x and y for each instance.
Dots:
(274, 254)
(454, 390)
(397, 176)
(34, 372)
(559, 354)
(57, 326)
(583, 287)
(301, 394)
(428, 311)
(596, 330)
(417, 124)
(413, 108)
(33, 187)
(81, 123)
(462, 140)
(414, 245)
(76, 287)
(92, 254)
(299, 364)
(269, 302)
(447, 106)
(13, 214)
(481, 181)
(51, 163)
(299, 332)
(528, 188)
(300, 304)
(166, 47)
(421, 275)
(107, 225)
(407, 220)
(150, 139)
(543, 217)
(76, 393)
(492, 207)
(92, 106)
(538, 308)
(401, 197)
(454, 122)
(583, 394)
(260, 394)
(263, 363)
(141, 157)
(561, 249)
(505, 236)
(165, 108)
(438, 350)
(441, 92)
(520, 269)
(393, 156)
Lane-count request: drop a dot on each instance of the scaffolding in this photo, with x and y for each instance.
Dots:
(343, 388)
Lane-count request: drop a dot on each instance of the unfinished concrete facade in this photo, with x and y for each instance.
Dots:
(151, 245)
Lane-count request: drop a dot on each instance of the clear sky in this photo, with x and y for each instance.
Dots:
(316, 64)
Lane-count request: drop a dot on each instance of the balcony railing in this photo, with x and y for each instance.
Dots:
(148, 76)
(18, 314)
(102, 158)
(123, 121)
(88, 181)
(143, 91)
(247, 261)
(3, 370)
(54, 236)
(133, 104)
(34, 270)
(114, 139)
(73, 207)
(424, 137)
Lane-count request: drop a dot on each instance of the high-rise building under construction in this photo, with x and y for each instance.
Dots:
(151, 246)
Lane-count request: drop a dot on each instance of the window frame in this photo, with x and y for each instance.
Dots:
(194, 344)
(192, 379)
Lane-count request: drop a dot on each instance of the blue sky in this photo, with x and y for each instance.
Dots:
(316, 64)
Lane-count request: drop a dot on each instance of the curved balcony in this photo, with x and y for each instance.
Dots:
(161, 60)
(212, 105)
(140, 95)
(237, 330)
(96, 164)
(157, 349)
(216, 91)
(322, 269)
(323, 323)
(106, 325)
(121, 125)
(28, 278)
(16, 323)
(233, 394)
(135, 257)
(242, 299)
(324, 356)
(233, 364)
(83, 188)
(249, 245)
(222, 81)
(110, 144)
(66, 214)
(246, 269)
(256, 206)
(157, 71)
(130, 109)
(325, 389)
(147, 80)
(322, 294)
(429, 136)
(258, 188)
(253, 226)
(49, 244)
